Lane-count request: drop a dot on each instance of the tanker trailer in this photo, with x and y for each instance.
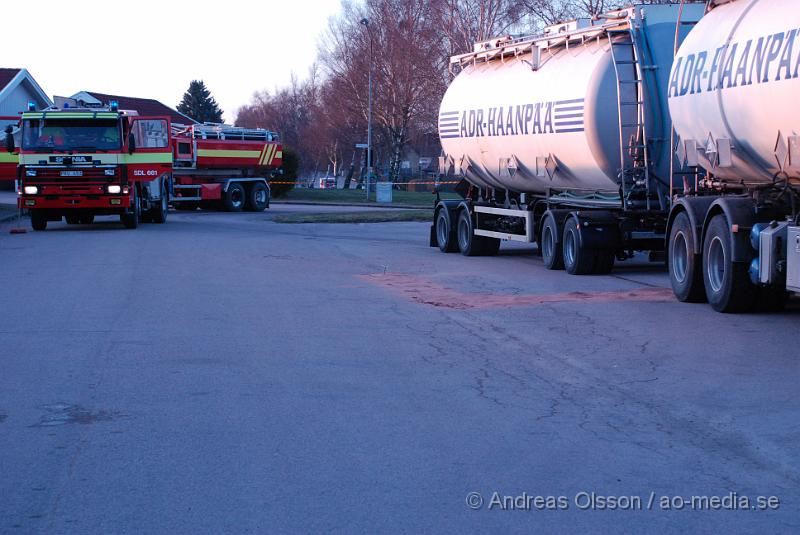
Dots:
(734, 238)
(564, 140)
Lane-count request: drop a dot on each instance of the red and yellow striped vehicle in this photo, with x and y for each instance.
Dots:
(217, 165)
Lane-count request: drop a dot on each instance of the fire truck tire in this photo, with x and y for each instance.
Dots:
(130, 218)
(159, 213)
(234, 199)
(38, 220)
(73, 219)
(257, 197)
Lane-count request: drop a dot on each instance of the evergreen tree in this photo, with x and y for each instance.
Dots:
(198, 104)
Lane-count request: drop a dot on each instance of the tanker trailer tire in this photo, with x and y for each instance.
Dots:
(131, 217)
(38, 220)
(445, 237)
(468, 243)
(577, 259)
(685, 265)
(550, 247)
(257, 197)
(159, 213)
(728, 285)
(234, 198)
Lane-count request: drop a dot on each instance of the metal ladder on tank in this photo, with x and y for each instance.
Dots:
(630, 95)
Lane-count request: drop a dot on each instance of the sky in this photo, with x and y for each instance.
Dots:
(153, 49)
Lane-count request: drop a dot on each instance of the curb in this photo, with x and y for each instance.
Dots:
(356, 205)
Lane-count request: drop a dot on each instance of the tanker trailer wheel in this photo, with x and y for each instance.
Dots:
(468, 243)
(728, 285)
(445, 238)
(38, 220)
(577, 259)
(131, 217)
(685, 265)
(234, 198)
(552, 253)
(257, 197)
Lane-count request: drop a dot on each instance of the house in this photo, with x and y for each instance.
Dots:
(144, 106)
(17, 88)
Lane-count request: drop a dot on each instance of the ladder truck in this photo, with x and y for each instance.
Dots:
(223, 166)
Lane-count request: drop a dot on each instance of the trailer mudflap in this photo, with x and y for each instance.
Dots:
(598, 229)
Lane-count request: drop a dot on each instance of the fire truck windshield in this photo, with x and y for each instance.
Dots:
(88, 135)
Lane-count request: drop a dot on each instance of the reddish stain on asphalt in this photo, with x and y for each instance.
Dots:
(427, 292)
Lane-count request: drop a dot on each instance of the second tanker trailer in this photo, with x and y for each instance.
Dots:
(567, 140)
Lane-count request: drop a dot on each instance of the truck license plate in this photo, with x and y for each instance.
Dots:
(71, 173)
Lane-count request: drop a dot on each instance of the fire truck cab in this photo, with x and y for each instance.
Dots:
(76, 163)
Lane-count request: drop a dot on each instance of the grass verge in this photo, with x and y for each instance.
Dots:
(382, 216)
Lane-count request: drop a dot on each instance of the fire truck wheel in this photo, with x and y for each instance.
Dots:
(159, 213)
(73, 219)
(38, 220)
(257, 197)
(131, 217)
(234, 198)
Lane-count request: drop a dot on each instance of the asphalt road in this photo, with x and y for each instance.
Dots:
(226, 374)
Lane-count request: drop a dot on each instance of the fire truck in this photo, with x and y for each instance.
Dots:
(78, 162)
(223, 166)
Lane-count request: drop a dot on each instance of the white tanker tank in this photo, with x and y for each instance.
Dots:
(543, 113)
(734, 91)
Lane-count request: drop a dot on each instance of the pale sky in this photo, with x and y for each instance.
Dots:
(153, 49)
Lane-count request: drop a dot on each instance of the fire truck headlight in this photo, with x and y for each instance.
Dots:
(30, 172)
(109, 172)
(114, 189)
(31, 190)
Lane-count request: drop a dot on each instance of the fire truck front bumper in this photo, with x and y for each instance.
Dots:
(111, 204)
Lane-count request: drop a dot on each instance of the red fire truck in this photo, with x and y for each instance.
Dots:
(222, 166)
(77, 163)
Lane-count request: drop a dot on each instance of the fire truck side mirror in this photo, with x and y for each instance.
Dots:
(10, 139)
(131, 143)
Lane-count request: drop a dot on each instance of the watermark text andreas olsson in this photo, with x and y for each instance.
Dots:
(593, 501)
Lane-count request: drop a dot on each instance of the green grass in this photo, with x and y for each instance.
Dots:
(377, 216)
(353, 196)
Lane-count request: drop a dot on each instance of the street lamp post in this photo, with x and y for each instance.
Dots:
(365, 23)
